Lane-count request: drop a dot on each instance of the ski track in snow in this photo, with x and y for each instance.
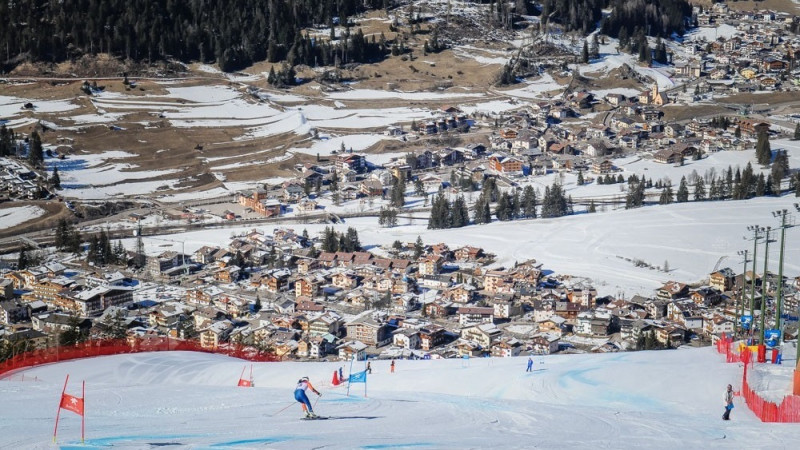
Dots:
(189, 400)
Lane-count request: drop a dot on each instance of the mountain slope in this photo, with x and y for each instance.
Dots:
(624, 400)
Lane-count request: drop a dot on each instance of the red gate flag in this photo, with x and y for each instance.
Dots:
(72, 403)
(244, 382)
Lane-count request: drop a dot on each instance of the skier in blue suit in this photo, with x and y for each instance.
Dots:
(530, 365)
(300, 396)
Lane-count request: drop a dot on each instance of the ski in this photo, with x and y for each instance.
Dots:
(315, 418)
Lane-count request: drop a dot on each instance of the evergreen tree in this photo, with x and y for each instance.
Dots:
(592, 208)
(761, 186)
(419, 247)
(35, 152)
(528, 202)
(666, 196)
(503, 208)
(398, 199)
(594, 49)
(352, 242)
(55, 179)
(683, 192)
(763, 149)
(139, 258)
(585, 53)
(580, 180)
(699, 190)
(459, 213)
(22, 260)
(797, 132)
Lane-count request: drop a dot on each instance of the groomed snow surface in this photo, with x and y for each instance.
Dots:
(668, 399)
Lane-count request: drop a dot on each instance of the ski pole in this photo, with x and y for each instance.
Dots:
(282, 410)
(315, 401)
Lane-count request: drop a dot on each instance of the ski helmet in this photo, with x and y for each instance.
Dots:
(304, 379)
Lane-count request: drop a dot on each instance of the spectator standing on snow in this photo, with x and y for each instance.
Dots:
(392, 366)
(728, 403)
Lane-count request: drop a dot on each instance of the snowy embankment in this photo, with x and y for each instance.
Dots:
(11, 217)
(623, 400)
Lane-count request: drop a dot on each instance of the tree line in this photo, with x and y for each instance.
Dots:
(233, 33)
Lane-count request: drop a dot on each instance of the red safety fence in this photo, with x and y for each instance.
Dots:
(787, 411)
(789, 408)
(106, 347)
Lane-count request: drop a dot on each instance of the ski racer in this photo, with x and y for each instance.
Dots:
(300, 396)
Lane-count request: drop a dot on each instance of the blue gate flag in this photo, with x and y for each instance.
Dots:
(360, 377)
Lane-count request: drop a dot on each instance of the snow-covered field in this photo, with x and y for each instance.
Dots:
(651, 400)
(11, 217)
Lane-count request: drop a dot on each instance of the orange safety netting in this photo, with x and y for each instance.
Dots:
(789, 408)
(105, 347)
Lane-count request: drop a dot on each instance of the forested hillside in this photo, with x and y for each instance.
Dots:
(234, 33)
(237, 33)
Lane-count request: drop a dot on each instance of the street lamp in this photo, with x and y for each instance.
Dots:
(741, 296)
(768, 230)
(757, 230)
(786, 222)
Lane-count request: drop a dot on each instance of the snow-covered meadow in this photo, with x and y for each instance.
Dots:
(654, 400)
(11, 217)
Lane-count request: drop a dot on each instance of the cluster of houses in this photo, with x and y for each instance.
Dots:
(17, 181)
(278, 291)
(761, 50)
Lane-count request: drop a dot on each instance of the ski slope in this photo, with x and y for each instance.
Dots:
(189, 400)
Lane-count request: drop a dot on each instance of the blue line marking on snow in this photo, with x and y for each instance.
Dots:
(266, 440)
(109, 441)
(577, 375)
(407, 445)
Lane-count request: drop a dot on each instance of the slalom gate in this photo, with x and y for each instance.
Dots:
(105, 347)
(737, 352)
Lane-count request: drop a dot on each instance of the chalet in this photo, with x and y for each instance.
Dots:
(260, 204)
(431, 265)
(615, 99)
(706, 297)
(506, 348)
(406, 338)
(544, 344)
(215, 334)
(472, 315)
(350, 161)
(437, 309)
(368, 331)
(371, 188)
(601, 166)
(668, 156)
(505, 164)
(483, 334)
(753, 127)
(505, 308)
(292, 192)
(722, 280)
(352, 350)
(468, 253)
(328, 323)
(431, 336)
(672, 290)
